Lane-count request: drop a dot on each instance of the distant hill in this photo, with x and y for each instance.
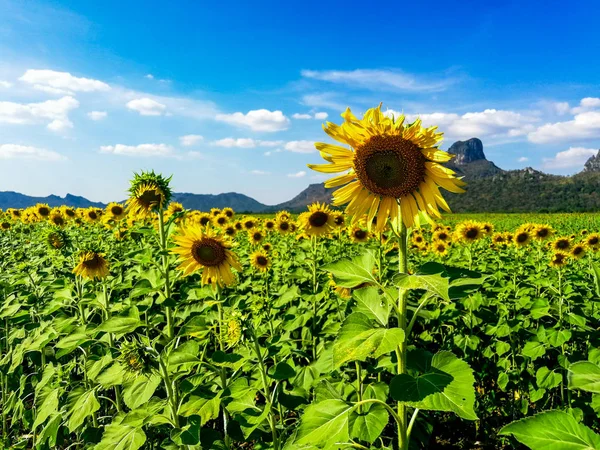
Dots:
(489, 189)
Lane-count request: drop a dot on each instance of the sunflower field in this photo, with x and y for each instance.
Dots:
(384, 326)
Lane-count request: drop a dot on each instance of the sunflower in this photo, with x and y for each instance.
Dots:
(584, 232)
(269, 224)
(149, 192)
(42, 210)
(92, 265)
(441, 235)
(542, 232)
(559, 259)
(230, 230)
(5, 225)
(238, 225)
(317, 221)
(267, 247)
(283, 226)
(283, 215)
(578, 251)
(15, 213)
(488, 228)
(229, 212)
(255, 236)
(439, 248)
(115, 211)
(201, 248)
(174, 208)
(357, 234)
(68, 212)
(56, 218)
(338, 220)
(220, 220)
(215, 212)
(418, 239)
(561, 244)
(389, 162)
(57, 239)
(204, 219)
(249, 223)
(593, 241)
(499, 239)
(260, 260)
(469, 231)
(522, 235)
(91, 215)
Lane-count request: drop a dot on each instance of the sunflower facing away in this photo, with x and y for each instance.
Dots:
(389, 162)
(201, 248)
(92, 265)
(260, 260)
(148, 193)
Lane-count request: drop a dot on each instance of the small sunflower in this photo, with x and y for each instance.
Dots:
(230, 230)
(317, 221)
(357, 234)
(215, 212)
(542, 232)
(283, 226)
(238, 225)
(389, 163)
(260, 260)
(220, 220)
(5, 225)
(441, 235)
(174, 208)
(92, 265)
(249, 223)
(57, 239)
(15, 213)
(338, 220)
(562, 244)
(488, 228)
(499, 239)
(149, 192)
(255, 236)
(229, 212)
(559, 259)
(522, 236)
(42, 210)
(439, 248)
(68, 212)
(578, 251)
(584, 232)
(135, 359)
(283, 215)
(267, 247)
(204, 219)
(469, 231)
(56, 218)
(91, 215)
(115, 211)
(269, 224)
(201, 248)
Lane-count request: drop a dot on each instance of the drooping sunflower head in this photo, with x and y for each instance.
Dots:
(57, 219)
(148, 192)
(255, 236)
(229, 212)
(359, 235)
(469, 231)
(120, 233)
(559, 259)
(115, 211)
(542, 232)
(578, 251)
(593, 241)
(200, 248)
(136, 359)
(562, 244)
(57, 238)
(283, 226)
(42, 210)
(388, 162)
(92, 265)
(260, 260)
(317, 221)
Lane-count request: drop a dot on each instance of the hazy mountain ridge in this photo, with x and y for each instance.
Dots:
(489, 189)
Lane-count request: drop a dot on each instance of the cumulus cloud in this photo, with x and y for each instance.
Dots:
(374, 79)
(55, 113)
(302, 116)
(61, 83)
(149, 76)
(300, 174)
(523, 159)
(318, 116)
(5, 84)
(190, 140)
(574, 157)
(584, 125)
(561, 108)
(14, 151)
(97, 115)
(321, 115)
(586, 104)
(245, 143)
(260, 172)
(300, 146)
(147, 107)
(257, 120)
(138, 150)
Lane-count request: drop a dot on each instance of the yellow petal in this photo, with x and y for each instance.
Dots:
(340, 180)
(330, 168)
(334, 150)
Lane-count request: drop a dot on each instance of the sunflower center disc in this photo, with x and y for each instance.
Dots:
(261, 261)
(522, 237)
(390, 166)
(93, 263)
(208, 252)
(360, 234)
(116, 210)
(318, 219)
(472, 233)
(150, 197)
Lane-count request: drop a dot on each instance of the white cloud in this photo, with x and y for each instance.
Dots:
(323, 100)
(13, 151)
(97, 115)
(317, 116)
(490, 122)
(260, 172)
(573, 157)
(300, 174)
(302, 116)
(53, 112)
(523, 159)
(149, 76)
(586, 104)
(321, 115)
(190, 139)
(61, 83)
(584, 125)
(245, 143)
(375, 79)
(273, 151)
(147, 107)
(138, 150)
(300, 146)
(5, 84)
(561, 108)
(257, 120)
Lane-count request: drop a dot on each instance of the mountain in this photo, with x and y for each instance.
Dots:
(9, 199)
(204, 202)
(593, 164)
(313, 193)
(470, 161)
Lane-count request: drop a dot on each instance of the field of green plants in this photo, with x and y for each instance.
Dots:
(302, 348)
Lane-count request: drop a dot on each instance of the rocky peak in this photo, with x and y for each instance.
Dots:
(467, 151)
(593, 164)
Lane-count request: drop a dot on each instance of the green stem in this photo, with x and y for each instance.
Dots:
(402, 421)
(359, 387)
(165, 266)
(314, 289)
(173, 401)
(111, 343)
(416, 314)
(222, 372)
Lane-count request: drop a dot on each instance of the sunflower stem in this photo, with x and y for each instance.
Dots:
(401, 353)
(111, 343)
(165, 267)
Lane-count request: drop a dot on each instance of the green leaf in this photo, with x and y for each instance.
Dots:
(324, 423)
(372, 304)
(140, 390)
(584, 375)
(556, 338)
(534, 349)
(405, 388)
(85, 406)
(359, 339)
(50, 431)
(547, 379)
(121, 437)
(434, 283)
(596, 273)
(552, 430)
(122, 324)
(112, 376)
(350, 273)
(242, 395)
(48, 407)
(196, 327)
(458, 395)
(283, 371)
(206, 408)
(368, 425)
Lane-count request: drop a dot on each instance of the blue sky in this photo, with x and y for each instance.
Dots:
(231, 96)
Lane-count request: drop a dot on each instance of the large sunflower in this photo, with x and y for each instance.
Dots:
(389, 162)
(92, 265)
(201, 248)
